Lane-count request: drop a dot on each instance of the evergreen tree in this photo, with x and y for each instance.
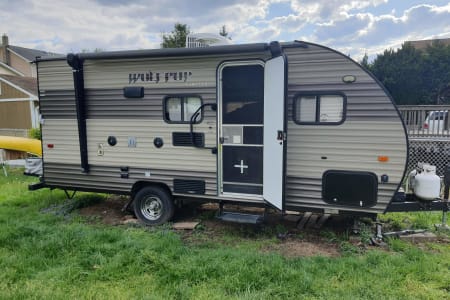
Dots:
(415, 76)
(365, 61)
(177, 38)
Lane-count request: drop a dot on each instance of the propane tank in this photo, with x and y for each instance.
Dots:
(427, 185)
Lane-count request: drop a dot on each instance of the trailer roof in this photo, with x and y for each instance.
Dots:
(169, 52)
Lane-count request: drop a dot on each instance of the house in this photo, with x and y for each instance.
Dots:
(19, 105)
(423, 44)
(18, 61)
(19, 109)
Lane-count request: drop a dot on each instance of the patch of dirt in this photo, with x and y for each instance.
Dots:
(289, 241)
(108, 211)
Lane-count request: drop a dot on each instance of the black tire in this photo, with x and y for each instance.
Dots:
(153, 205)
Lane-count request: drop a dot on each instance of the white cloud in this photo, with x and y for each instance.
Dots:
(121, 24)
(368, 32)
(351, 26)
(327, 10)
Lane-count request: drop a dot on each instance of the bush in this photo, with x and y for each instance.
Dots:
(35, 133)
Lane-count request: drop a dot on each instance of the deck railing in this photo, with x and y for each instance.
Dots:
(426, 120)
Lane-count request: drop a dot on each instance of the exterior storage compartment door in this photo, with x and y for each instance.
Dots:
(275, 81)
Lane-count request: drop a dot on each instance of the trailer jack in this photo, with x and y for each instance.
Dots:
(69, 195)
(443, 226)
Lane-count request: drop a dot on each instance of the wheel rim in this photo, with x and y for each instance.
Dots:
(151, 208)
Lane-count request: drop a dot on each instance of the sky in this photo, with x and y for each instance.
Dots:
(350, 26)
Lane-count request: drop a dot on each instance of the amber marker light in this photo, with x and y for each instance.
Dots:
(383, 158)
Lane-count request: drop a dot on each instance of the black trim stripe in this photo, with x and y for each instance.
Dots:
(78, 81)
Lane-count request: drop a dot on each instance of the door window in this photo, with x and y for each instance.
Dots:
(243, 94)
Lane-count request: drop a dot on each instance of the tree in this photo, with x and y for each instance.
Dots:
(365, 61)
(414, 76)
(437, 72)
(177, 38)
(444, 95)
(401, 73)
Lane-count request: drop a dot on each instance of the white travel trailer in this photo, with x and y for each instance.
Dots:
(297, 126)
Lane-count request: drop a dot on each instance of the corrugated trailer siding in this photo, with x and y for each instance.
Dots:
(145, 153)
(55, 75)
(58, 104)
(109, 113)
(63, 135)
(176, 161)
(105, 74)
(111, 103)
(109, 178)
(372, 128)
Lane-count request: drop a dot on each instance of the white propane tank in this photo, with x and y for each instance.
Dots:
(427, 185)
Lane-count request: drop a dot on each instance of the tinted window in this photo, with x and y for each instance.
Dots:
(438, 115)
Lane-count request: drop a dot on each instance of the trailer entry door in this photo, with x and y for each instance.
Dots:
(274, 131)
(241, 119)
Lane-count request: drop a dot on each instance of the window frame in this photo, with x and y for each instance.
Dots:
(181, 97)
(318, 95)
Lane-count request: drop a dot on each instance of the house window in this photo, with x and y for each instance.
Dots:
(180, 109)
(315, 108)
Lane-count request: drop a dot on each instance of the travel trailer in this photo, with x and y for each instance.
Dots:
(295, 126)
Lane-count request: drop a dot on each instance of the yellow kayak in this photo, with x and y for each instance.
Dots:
(21, 144)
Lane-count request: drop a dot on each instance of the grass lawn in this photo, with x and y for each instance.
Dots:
(51, 256)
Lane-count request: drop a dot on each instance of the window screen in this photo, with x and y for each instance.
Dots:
(319, 109)
(243, 94)
(181, 109)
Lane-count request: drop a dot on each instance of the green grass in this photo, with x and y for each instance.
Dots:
(50, 255)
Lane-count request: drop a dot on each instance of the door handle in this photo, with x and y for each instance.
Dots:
(280, 135)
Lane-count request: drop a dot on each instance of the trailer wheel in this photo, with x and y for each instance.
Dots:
(153, 205)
